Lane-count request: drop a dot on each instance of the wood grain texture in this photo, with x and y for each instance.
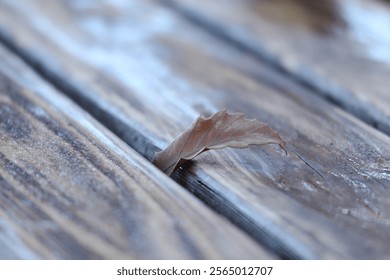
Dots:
(339, 47)
(126, 63)
(70, 189)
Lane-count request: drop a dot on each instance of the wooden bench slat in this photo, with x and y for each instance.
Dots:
(69, 188)
(341, 48)
(147, 74)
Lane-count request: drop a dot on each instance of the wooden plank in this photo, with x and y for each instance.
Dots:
(339, 47)
(70, 189)
(125, 62)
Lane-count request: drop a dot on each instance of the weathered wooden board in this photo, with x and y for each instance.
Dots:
(70, 189)
(339, 47)
(147, 74)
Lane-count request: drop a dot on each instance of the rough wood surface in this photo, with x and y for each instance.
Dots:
(147, 75)
(339, 47)
(70, 189)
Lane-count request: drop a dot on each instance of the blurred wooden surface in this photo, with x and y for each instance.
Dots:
(146, 74)
(339, 47)
(70, 189)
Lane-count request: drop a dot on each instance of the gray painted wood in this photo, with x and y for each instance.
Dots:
(147, 74)
(70, 189)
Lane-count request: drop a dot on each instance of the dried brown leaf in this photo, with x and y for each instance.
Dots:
(219, 131)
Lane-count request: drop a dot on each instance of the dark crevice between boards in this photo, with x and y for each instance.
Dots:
(193, 184)
(147, 149)
(331, 93)
(138, 141)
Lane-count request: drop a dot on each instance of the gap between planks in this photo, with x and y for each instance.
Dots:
(263, 55)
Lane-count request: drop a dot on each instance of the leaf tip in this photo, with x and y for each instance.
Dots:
(284, 148)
